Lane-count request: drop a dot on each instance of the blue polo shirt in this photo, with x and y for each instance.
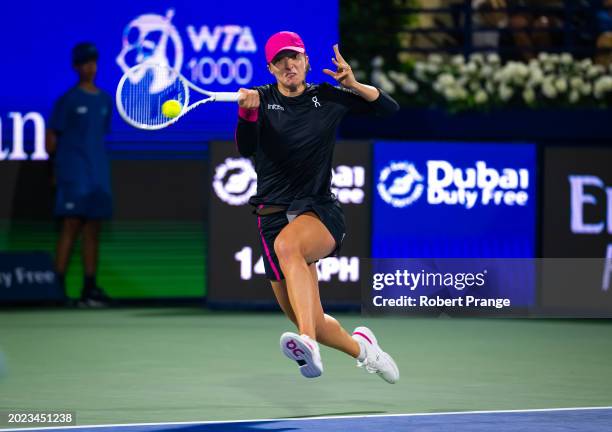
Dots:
(81, 120)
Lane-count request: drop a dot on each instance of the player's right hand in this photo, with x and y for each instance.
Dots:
(248, 99)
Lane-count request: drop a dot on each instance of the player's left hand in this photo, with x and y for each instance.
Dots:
(344, 74)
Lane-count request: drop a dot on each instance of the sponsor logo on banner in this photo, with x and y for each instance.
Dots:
(400, 184)
(235, 181)
(586, 191)
(348, 183)
(581, 198)
(28, 276)
(216, 53)
(17, 149)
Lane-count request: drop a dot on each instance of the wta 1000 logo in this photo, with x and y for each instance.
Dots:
(400, 184)
(218, 51)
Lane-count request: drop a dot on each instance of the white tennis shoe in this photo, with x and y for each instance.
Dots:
(376, 361)
(304, 351)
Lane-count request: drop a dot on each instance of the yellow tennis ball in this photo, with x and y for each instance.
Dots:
(171, 108)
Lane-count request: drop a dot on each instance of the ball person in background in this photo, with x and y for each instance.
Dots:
(75, 136)
(289, 129)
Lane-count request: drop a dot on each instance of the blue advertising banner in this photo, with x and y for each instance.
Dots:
(28, 277)
(218, 46)
(453, 200)
(438, 200)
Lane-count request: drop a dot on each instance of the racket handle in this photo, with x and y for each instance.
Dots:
(226, 97)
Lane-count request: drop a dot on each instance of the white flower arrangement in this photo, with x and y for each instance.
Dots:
(484, 82)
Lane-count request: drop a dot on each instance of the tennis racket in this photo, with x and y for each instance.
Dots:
(144, 88)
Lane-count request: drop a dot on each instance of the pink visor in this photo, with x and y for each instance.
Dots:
(284, 40)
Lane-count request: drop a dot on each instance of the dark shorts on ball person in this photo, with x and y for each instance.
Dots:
(75, 201)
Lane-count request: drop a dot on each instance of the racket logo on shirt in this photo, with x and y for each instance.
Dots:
(317, 104)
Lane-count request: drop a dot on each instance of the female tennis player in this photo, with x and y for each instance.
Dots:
(289, 129)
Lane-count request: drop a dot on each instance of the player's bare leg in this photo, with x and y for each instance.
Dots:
(329, 331)
(303, 241)
(362, 345)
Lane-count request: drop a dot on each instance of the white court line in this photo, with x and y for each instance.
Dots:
(429, 414)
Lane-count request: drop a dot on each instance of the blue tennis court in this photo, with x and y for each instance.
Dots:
(590, 419)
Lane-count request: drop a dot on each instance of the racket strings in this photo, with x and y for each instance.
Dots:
(146, 90)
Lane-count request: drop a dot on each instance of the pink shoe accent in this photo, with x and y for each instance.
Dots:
(363, 336)
(307, 343)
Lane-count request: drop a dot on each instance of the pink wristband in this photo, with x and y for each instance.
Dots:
(249, 115)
